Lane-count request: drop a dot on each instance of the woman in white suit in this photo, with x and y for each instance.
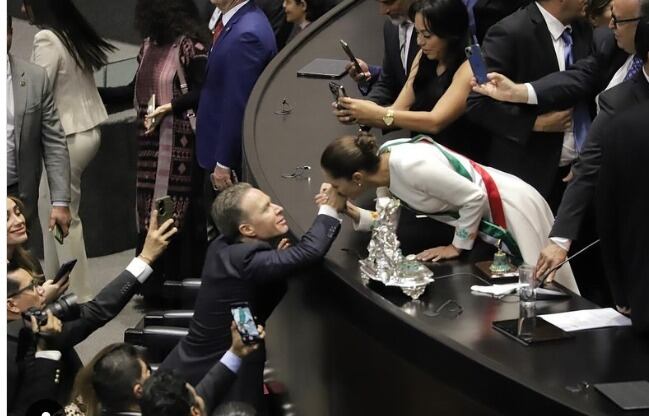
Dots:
(70, 51)
(431, 179)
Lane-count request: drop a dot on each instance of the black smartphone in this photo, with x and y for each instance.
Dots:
(165, 207)
(337, 90)
(64, 270)
(245, 322)
(351, 56)
(530, 330)
(476, 60)
(58, 233)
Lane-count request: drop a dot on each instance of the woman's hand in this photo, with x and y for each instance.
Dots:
(439, 253)
(152, 119)
(352, 212)
(54, 290)
(359, 111)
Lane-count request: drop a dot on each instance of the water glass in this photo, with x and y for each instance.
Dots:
(526, 276)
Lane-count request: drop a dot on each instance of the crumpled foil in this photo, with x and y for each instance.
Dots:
(386, 263)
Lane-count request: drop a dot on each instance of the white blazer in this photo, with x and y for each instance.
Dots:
(77, 100)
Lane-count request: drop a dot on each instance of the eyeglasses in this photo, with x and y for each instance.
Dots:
(34, 285)
(617, 22)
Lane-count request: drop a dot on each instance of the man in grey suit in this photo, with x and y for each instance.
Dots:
(34, 135)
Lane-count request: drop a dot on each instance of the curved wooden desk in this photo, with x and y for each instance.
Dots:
(345, 349)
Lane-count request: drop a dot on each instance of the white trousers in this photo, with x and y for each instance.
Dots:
(82, 148)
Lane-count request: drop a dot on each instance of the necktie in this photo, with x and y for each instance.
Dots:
(634, 68)
(218, 28)
(580, 116)
(403, 37)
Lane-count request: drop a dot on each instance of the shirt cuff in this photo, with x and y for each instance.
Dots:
(60, 204)
(366, 219)
(329, 211)
(138, 268)
(532, 99)
(222, 166)
(564, 243)
(49, 355)
(231, 360)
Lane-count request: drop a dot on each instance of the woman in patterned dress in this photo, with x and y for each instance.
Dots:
(174, 48)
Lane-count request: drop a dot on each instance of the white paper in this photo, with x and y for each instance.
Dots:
(498, 290)
(587, 319)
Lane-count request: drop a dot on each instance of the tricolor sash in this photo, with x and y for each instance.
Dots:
(490, 231)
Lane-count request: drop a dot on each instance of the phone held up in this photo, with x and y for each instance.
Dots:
(64, 271)
(246, 324)
(337, 91)
(165, 207)
(476, 60)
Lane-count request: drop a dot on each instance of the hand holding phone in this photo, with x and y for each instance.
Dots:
(476, 60)
(245, 323)
(165, 207)
(58, 233)
(337, 90)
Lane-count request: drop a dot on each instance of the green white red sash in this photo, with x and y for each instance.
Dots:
(490, 231)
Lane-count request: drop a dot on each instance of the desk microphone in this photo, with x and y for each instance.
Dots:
(552, 270)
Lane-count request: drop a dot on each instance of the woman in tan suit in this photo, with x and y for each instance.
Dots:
(70, 51)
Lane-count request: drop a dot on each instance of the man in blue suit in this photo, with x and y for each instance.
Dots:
(241, 265)
(243, 45)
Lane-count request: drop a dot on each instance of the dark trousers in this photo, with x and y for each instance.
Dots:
(209, 195)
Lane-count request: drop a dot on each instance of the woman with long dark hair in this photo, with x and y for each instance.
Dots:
(70, 51)
(172, 63)
(433, 100)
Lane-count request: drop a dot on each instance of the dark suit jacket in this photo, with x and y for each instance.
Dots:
(39, 137)
(392, 78)
(489, 12)
(520, 47)
(587, 77)
(93, 315)
(622, 200)
(215, 385)
(236, 61)
(30, 379)
(252, 272)
(581, 189)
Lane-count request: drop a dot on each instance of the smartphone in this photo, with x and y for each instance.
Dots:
(165, 207)
(337, 90)
(65, 269)
(58, 233)
(476, 60)
(351, 56)
(246, 325)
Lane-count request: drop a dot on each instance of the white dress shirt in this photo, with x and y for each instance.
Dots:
(405, 34)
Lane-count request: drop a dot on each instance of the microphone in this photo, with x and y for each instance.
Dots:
(552, 270)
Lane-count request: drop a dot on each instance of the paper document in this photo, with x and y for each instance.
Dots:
(587, 319)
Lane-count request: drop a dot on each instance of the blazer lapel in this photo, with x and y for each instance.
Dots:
(542, 33)
(19, 84)
(641, 91)
(233, 20)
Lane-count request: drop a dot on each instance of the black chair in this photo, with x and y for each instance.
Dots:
(158, 340)
(173, 317)
(181, 294)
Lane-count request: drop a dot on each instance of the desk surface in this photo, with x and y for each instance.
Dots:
(481, 359)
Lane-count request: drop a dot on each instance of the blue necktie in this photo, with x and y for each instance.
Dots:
(580, 115)
(634, 68)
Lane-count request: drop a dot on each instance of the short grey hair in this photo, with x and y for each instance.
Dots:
(226, 210)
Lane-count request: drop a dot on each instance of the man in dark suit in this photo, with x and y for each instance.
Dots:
(92, 315)
(34, 137)
(382, 84)
(581, 189)
(243, 45)
(529, 142)
(241, 265)
(165, 392)
(623, 224)
(489, 12)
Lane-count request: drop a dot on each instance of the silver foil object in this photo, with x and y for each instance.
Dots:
(385, 262)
